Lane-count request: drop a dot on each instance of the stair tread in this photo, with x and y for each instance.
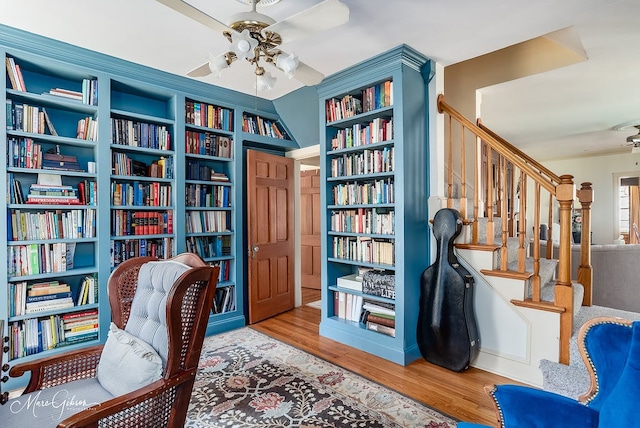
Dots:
(573, 380)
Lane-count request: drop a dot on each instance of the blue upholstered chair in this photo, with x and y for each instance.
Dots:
(143, 375)
(610, 348)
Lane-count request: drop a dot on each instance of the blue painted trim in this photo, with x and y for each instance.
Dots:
(122, 70)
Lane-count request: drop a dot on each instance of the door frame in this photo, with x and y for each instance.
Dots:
(301, 157)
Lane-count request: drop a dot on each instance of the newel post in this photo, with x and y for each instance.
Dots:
(565, 192)
(585, 270)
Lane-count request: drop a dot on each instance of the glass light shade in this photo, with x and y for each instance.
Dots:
(217, 64)
(265, 81)
(243, 45)
(287, 63)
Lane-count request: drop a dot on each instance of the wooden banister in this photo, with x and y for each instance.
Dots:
(501, 201)
(496, 145)
(520, 153)
(585, 270)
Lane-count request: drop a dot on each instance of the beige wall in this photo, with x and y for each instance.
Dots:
(602, 171)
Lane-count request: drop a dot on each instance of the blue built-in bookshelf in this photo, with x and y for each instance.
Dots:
(129, 131)
(374, 157)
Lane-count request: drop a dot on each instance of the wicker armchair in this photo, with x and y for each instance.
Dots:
(162, 403)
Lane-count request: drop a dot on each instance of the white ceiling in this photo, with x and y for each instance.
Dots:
(551, 115)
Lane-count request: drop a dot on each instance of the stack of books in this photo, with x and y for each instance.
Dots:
(79, 327)
(88, 293)
(60, 162)
(45, 296)
(52, 194)
(380, 317)
(224, 300)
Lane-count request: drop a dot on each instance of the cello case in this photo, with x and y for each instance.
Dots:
(447, 330)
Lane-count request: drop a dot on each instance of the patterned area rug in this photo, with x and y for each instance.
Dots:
(247, 379)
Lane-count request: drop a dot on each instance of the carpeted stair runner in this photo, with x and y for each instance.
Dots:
(568, 380)
(573, 380)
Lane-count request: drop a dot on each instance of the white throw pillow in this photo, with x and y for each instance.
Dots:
(127, 363)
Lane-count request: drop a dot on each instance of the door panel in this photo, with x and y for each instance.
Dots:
(270, 202)
(310, 228)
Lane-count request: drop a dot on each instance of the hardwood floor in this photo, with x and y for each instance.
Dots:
(460, 395)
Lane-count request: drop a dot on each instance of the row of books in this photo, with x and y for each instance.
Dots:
(364, 220)
(121, 164)
(208, 115)
(209, 246)
(208, 144)
(34, 259)
(371, 98)
(141, 194)
(15, 75)
(365, 162)
(377, 96)
(122, 250)
(204, 195)
(225, 270)
(364, 249)
(24, 153)
(376, 131)
(27, 298)
(87, 129)
(197, 170)
(88, 94)
(347, 306)
(28, 118)
(208, 221)
(51, 224)
(34, 335)
(375, 192)
(224, 300)
(261, 126)
(140, 134)
(343, 108)
(126, 222)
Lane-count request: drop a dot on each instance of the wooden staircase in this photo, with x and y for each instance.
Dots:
(525, 302)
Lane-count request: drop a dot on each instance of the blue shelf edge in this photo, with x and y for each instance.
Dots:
(369, 341)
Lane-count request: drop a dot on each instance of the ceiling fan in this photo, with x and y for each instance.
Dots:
(256, 37)
(632, 140)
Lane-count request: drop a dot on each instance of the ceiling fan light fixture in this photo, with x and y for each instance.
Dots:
(217, 64)
(288, 64)
(243, 45)
(264, 80)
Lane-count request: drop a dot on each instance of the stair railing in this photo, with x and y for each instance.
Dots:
(499, 198)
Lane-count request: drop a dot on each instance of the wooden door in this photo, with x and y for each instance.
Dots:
(270, 217)
(310, 228)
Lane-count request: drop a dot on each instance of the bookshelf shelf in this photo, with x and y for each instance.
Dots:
(374, 199)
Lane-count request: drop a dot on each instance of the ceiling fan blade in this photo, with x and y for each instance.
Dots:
(325, 15)
(196, 14)
(307, 74)
(203, 70)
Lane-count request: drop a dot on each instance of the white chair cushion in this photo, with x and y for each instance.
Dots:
(127, 363)
(148, 317)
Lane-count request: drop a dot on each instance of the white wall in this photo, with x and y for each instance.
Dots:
(600, 171)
